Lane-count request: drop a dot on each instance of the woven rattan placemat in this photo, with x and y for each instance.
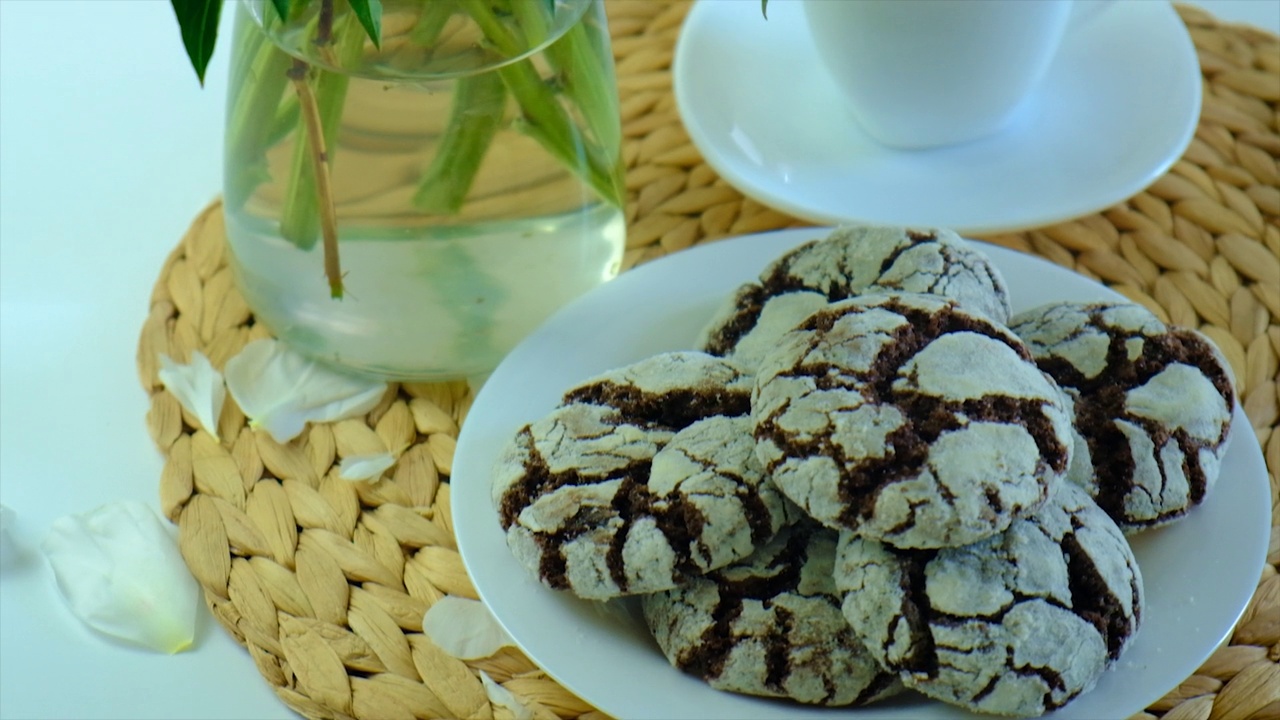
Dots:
(325, 582)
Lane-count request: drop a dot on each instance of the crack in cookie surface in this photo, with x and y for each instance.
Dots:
(740, 315)
(675, 409)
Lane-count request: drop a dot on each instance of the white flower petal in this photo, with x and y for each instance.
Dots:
(198, 387)
(365, 467)
(499, 695)
(122, 574)
(464, 628)
(281, 391)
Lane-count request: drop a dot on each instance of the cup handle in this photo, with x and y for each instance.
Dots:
(1084, 12)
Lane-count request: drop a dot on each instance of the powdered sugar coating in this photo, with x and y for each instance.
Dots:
(1153, 405)
(770, 625)
(874, 258)
(1018, 624)
(909, 420)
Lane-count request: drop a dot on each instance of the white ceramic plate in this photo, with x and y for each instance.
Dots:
(1199, 572)
(1118, 107)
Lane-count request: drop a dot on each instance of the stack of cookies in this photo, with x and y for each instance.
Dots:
(871, 476)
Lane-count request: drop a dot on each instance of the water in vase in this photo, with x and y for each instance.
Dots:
(452, 248)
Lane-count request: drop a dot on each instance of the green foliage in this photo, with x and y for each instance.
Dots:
(369, 13)
(282, 8)
(198, 20)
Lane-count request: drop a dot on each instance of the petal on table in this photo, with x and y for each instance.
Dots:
(499, 695)
(281, 391)
(121, 573)
(365, 467)
(464, 628)
(198, 388)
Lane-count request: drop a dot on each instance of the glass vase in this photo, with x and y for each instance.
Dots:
(411, 209)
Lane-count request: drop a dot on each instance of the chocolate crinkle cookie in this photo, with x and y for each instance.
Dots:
(1153, 405)
(770, 625)
(644, 477)
(852, 260)
(910, 420)
(1018, 624)
(885, 258)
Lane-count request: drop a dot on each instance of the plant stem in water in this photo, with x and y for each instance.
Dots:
(478, 107)
(320, 167)
(300, 216)
(584, 78)
(324, 29)
(261, 80)
(430, 22)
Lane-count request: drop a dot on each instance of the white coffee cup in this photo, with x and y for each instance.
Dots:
(927, 73)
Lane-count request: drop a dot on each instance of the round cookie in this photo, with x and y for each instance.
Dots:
(909, 420)
(1018, 624)
(1153, 405)
(871, 258)
(770, 625)
(645, 476)
(673, 389)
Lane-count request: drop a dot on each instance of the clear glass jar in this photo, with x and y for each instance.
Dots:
(470, 180)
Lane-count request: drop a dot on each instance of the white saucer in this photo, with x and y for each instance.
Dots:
(1199, 573)
(1118, 108)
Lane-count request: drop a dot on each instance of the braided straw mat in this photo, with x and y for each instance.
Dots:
(325, 582)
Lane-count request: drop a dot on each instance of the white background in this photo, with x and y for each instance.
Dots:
(108, 149)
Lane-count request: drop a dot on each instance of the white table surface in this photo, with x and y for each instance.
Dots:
(108, 149)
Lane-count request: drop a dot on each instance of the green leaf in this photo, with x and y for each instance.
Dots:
(764, 8)
(369, 13)
(198, 20)
(282, 8)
